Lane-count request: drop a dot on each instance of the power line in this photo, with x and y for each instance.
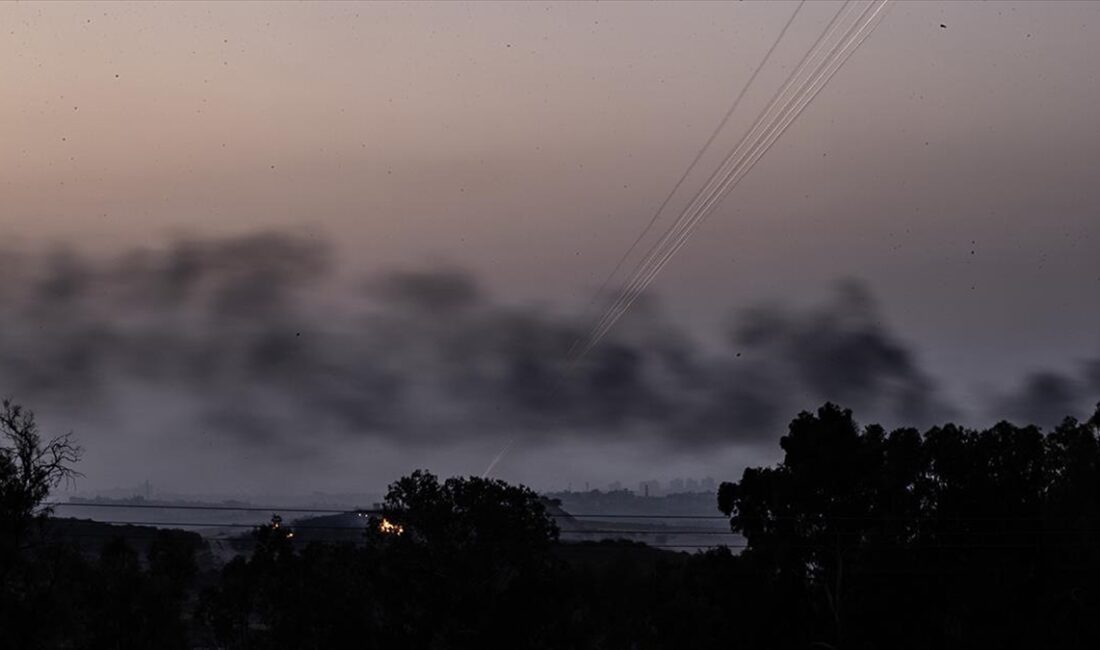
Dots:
(211, 524)
(277, 509)
(245, 541)
(620, 531)
(227, 508)
(292, 526)
(809, 517)
(627, 543)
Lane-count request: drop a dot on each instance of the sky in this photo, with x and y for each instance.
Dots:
(937, 199)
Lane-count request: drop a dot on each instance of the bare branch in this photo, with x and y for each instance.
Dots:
(29, 468)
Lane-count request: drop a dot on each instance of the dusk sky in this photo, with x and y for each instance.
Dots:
(948, 174)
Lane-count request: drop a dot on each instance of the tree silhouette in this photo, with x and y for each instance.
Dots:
(448, 563)
(949, 538)
(29, 469)
(464, 514)
(859, 538)
(254, 588)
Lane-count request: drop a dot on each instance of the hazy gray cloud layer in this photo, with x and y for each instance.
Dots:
(236, 329)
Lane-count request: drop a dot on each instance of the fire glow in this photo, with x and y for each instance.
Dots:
(390, 528)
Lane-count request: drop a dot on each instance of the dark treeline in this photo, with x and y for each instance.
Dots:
(952, 538)
(858, 538)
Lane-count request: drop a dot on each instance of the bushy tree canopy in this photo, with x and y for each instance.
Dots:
(952, 525)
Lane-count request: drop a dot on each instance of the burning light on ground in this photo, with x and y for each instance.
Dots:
(390, 528)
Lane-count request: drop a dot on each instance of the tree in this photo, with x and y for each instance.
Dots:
(458, 563)
(32, 577)
(468, 513)
(256, 587)
(953, 538)
(472, 561)
(808, 517)
(29, 469)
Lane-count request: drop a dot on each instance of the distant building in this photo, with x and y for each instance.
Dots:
(649, 488)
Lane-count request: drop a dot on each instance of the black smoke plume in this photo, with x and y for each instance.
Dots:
(253, 334)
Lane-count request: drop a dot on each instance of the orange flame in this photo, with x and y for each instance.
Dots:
(390, 528)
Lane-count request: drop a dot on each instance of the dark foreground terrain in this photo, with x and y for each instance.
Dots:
(859, 538)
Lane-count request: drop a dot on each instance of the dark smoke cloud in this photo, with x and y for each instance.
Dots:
(842, 353)
(1045, 398)
(784, 359)
(255, 336)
